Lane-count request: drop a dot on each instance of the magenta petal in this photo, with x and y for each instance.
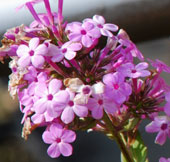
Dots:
(34, 42)
(68, 136)
(67, 115)
(48, 137)
(97, 112)
(65, 149)
(108, 79)
(80, 110)
(160, 138)
(53, 150)
(92, 103)
(162, 159)
(167, 96)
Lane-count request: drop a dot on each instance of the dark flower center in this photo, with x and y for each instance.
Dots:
(116, 86)
(86, 90)
(100, 26)
(71, 103)
(164, 126)
(100, 102)
(58, 140)
(64, 50)
(31, 53)
(133, 71)
(50, 97)
(83, 32)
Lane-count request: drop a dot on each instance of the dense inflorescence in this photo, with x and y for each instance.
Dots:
(69, 76)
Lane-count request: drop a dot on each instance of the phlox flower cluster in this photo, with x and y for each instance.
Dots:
(68, 76)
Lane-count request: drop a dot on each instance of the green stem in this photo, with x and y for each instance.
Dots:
(118, 139)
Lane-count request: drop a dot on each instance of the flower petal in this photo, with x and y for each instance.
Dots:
(53, 150)
(68, 136)
(65, 149)
(33, 43)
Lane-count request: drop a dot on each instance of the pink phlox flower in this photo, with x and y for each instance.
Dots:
(51, 98)
(167, 105)
(72, 109)
(100, 102)
(104, 29)
(67, 50)
(85, 33)
(160, 124)
(116, 88)
(162, 159)
(160, 66)
(132, 71)
(131, 48)
(41, 118)
(33, 53)
(59, 140)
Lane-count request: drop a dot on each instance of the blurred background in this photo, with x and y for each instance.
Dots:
(147, 23)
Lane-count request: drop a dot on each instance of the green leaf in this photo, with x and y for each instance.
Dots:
(138, 150)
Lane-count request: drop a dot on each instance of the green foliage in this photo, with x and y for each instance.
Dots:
(137, 149)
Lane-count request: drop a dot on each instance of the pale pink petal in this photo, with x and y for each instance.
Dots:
(67, 115)
(87, 41)
(24, 61)
(70, 55)
(97, 112)
(22, 50)
(60, 100)
(94, 33)
(80, 110)
(75, 36)
(108, 79)
(48, 137)
(33, 43)
(68, 136)
(37, 118)
(53, 150)
(41, 106)
(41, 50)
(56, 130)
(65, 149)
(110, 106)
(54, 86)
(37, 61)
(141, 66)
(57, 57)
(41, 90)
(144, 73)
(75, 46)
(111, 27)
(106, 33)
(99, 19)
